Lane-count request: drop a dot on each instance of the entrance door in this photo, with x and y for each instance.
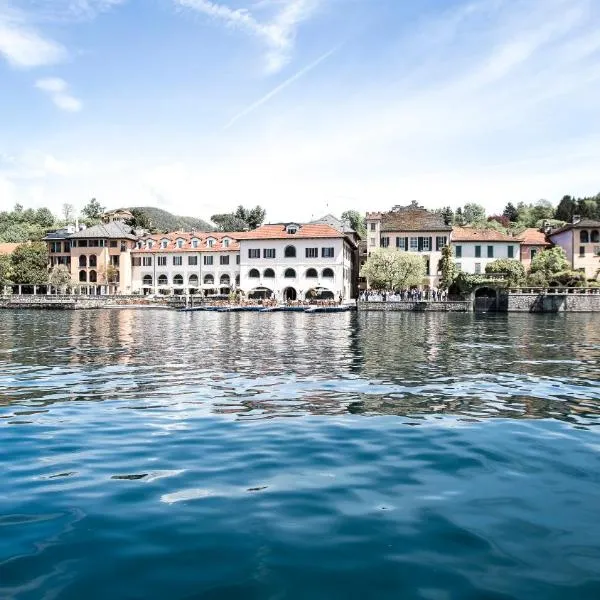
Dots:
(290, 294)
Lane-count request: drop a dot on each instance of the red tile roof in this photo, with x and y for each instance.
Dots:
(410, 218)
(7, 248)
(533, 237)
(278, 232)
(471, 234)
(187, 237)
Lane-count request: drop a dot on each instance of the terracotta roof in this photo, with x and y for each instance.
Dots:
(278, 231)
(533, 237)
(7, 248)
(187, 237)
(583, 224)
(471, 234)
(410, 218)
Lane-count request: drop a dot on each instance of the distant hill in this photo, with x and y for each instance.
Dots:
(166, 221)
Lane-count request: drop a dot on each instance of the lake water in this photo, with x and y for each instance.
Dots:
(154, 455)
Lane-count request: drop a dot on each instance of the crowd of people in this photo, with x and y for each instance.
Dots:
(412, 295)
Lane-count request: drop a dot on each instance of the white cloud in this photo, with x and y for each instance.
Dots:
(277, 34)
(58, 90)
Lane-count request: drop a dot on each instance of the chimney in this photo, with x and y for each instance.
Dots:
(576, 219)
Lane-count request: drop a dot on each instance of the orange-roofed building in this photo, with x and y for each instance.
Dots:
(7, 248)
(533, 241)
(475, 248)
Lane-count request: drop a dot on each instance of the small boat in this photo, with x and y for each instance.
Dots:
(328, 309)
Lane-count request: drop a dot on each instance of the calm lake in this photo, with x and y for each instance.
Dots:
(155, 454)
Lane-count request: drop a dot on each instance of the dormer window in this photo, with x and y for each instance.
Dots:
(140, 244)
(180, 243)
(210, 242)
(150, 243)
(164, 243)
(194, 243)
(226, 243)
(292, 228)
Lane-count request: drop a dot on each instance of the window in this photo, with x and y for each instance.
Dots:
(180, 243)
(533, 253)
(289, 252)
(82, 243)
(311, 274)
(237, 259)
(194, 243)
(136, 261)
(477, 268)
(414, 244)
(290, 274)
(477, 251)
(114, 260)
(595, 237)
(226, 243)
(371, 241)
(150, 244)
(292, 229)
(254, 274)
(328, 273)
(210, 242)
(67, 246)
(162, 280)
(511, 252)
(147, 280)
(385, 242)
(440, 242)
(237, 280)
(490, 251)
(225, 280)
(209, 279)
(458, 251)
(269, 253)
(193, 280)
(312, 253)
(584, 238)
(93, 277)
(582, 250)
(254, 253)
(426, 244)
(178, 280)
(113, 243)
(224, 260)
(327, 252)
(161, 261)
(164, 243)
(208, 260)
(177, 261)
(402, 243)
(458, 267)
(82, 277)
(123, 246)
(83, 261)
(94, 243)
(55, 246)
(192, 261)
(373, 226)
(269, 273)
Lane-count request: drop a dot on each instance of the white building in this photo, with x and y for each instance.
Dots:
(475, 248)
(294, 262)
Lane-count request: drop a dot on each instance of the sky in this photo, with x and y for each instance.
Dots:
(305, 107)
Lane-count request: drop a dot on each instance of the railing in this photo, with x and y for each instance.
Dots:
(554, 290)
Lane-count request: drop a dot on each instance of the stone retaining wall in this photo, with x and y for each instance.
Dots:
(552, 303)
(410, 306)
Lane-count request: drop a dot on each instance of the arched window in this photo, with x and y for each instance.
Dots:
(82, 276)
(290, 274)
(93, 277)
(328, 273)
(93, 261)
(312, 274)
(209, 279)
(178, 280)
(595, 237)
(290, 252)
(584, 237)
(254, 274)
(82, 261)
(163, 280)
(225, 280)
(193, 280)
(147, 280)
(269, 273)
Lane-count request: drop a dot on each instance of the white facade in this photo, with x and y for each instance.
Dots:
(473, 256)
(291, 267)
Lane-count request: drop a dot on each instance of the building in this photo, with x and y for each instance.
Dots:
(581, 242)
(411, 228)
(120, 214)
(7, 248)
(293, 261)
(533, 241)
(475, 248)
(186, 263)
(99, 257)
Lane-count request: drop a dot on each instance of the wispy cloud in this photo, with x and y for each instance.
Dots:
(252, 107)
(278, 34)
(58, 90)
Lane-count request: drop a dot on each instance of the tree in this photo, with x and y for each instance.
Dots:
(6, 274)
(566, 209)
(111, 275)
(139, 220)
(514, 270)
(550, 262)
(60, 277)
(459, 218)
(253, 217)
(44, 218)
(387, 268)
(542, 210)
(473, 213)
(448, 215)
(30, 263)
(67, 210)
(229, 222)
(357, 221)
(510, 212)
(447, 267)
(93, 210)
(502, 220)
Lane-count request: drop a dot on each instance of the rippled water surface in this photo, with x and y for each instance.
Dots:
(155, 454)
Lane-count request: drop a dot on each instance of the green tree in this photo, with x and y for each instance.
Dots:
(30, 263)
(566, 209)
(387, 268)
(357, 221)
(447, 267)
(139, 220)
(93, 210)
(60, 277)
(459, 218)
(448, 215)
(542, 210)
(550, 262)
(510, 212)
(6, 272)
(254, 217)
(229, 222)
(44, 218)
(473, 213)
(514, 270)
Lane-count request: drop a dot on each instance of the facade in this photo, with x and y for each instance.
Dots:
(533, 241)
(99, 257)
(411, 228)
(120, 214)
(292, 261)
(475, 248)
(581, 242)
(187, 263)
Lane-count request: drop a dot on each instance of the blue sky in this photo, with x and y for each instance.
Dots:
(303, 106)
